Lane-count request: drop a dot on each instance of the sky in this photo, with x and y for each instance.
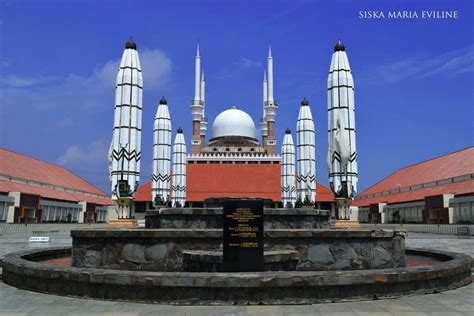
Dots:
(58, 61)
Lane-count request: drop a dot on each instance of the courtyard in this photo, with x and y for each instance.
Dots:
(14, 301)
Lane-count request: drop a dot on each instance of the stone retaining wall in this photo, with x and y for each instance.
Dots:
(161, 249)
(280, 287)
(201, 218)
(211, 261)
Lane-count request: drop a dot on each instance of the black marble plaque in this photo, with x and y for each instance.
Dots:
(243, 235)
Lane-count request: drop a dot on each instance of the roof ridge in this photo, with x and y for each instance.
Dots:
(434, 158)
(57, 166)
(373, 185)
(34, 158)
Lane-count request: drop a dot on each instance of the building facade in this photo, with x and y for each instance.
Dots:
(436, 191)
(232, 158)
(34, 191)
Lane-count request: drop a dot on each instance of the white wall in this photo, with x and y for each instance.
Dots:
(112, 213)
(11, 208)
(354, 213)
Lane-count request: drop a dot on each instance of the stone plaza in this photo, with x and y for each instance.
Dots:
(15, 301)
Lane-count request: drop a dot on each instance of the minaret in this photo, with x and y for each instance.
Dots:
(265, 91)
(126, 141)
(342, 152)
(178, 194)
(197, 75)
(270, 108)
(161, 174)
(203, 129)
(288, 189)
(305, 138)
(263, 120)
(197, 107)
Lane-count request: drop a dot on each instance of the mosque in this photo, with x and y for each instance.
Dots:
(232, 158)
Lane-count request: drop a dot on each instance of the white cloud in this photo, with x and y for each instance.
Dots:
(94, 90)
(238, 67)
(95, 153)
(248, 63)
(451, 63)
(22, 82)
(156, 69)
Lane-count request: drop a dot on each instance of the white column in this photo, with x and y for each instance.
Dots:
(178, 194)
(126, 143)
(288, 189)
(11, 209)
(82, 213)
(306, 148)
(161, 174)
(342, 152)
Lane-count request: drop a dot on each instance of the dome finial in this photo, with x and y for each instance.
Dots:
(163, 100)
(304, 102)
(339, 46)
(288, 131)
(131, 44)
(180, 130)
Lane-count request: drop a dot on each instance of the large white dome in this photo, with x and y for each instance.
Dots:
(233, 122)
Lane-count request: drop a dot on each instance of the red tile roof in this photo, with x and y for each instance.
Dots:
(143, 193)
(457, 188)
(24, 167)
(233, 180)
(448, 166)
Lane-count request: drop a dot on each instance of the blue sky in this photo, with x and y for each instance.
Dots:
(58, 61)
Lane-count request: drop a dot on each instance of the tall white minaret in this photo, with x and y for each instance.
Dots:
(203, 128)
(263, 120)
(305, 135)
(178, 194)
(197, 75)
(270, 108)
(161, 175)
(288, 183)
(270, 75)
(197, 106)
(265, 91)
(203, 89)
(126, 141)
(342, 151)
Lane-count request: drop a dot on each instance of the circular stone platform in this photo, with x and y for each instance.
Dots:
(22, 270)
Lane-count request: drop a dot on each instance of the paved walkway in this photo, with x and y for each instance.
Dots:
(20, 302)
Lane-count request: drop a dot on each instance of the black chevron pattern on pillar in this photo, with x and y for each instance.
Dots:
(125, 154)
(288, 189)
(161, 177)
(310, 177)
(179, 188)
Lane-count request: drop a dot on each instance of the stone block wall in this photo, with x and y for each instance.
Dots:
(201, 218)
(283, 287)
(161, 249)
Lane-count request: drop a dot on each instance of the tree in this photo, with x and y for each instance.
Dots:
(396, 218)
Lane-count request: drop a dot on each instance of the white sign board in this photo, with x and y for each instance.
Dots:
(39, 239)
